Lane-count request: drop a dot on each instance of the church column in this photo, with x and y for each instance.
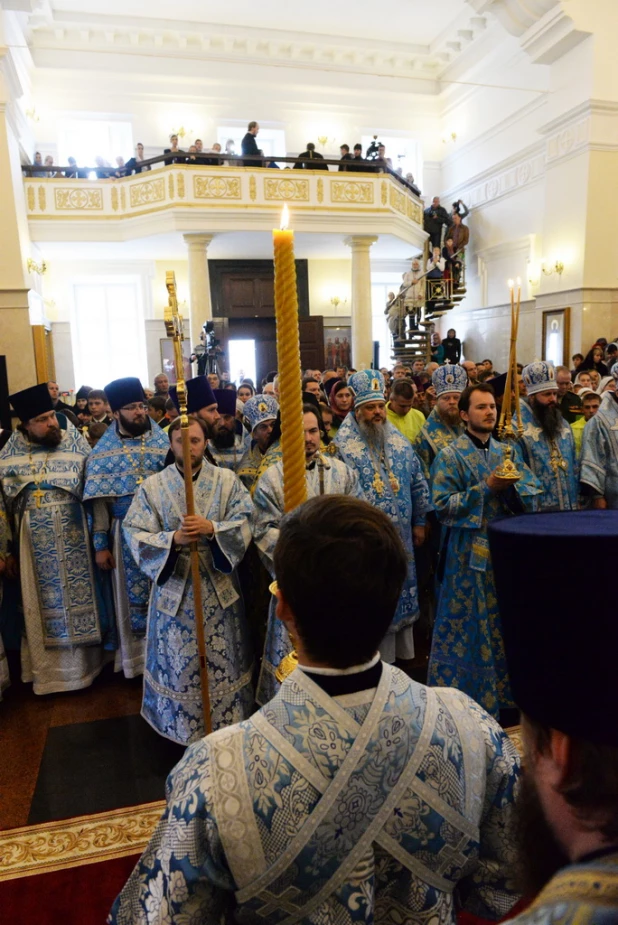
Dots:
(362, 335)
(200, 307)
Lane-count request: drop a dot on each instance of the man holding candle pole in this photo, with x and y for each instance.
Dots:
(392, 479)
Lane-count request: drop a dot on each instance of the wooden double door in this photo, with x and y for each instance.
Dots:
(243, 301)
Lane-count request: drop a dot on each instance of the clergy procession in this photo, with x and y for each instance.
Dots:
(323, 781)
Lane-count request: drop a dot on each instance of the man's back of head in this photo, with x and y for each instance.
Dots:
(359, 548)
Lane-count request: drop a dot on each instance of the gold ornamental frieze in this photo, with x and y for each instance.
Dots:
(180, 183)
(42, 198)
(384, 186)
(320, 190)
(217, 188)
(252, 188)
(71, 199)
(123, 198)
(415, 212)
(142, 194)
(348, 191)
(170, 185)
(115, 198)
(286, 190)
(30, 199)
(398, 200)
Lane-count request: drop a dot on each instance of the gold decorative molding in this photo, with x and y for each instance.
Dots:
(170, 185)
(142, 194)
(252, 189)
(286, 190)
(415, 211)
(42, 199)
(398, 200)
(30, 199)
(123, 199)
(320, 190)
(384, 186)
(38, 849)
(114, 198)
(180, 182)
(350, 191)
(217, 188)
(88, 200)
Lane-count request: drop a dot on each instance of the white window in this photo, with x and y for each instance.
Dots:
(403, 152)
(270, 140)
(107, 331)
(84, 139)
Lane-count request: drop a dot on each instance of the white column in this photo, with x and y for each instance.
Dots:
(362, 337)
(200, 306)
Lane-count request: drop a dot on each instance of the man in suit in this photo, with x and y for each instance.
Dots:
(249, 145)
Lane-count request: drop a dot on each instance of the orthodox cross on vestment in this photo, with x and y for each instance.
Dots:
(37, 495)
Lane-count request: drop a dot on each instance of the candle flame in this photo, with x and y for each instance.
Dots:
(285, 218)
(511, 284)
(519, 282)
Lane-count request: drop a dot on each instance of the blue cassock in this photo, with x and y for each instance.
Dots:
(599, 462)
(434, 436)
(467, 650)
(112, 471)
(172, 695)
(554, 462)
(230, 457)
(407, 504)
(392, 805)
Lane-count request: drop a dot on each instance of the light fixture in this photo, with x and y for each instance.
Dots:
(558, 267)
(34, 267)
(336, 301)
(33, 115)
(182, 131)
(452, 137)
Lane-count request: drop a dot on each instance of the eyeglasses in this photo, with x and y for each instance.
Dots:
(136, 406)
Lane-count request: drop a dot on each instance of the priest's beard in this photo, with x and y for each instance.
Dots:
(549, 418)
(52, 438)
(374, 433)
(538, 852)
(134, 428)
(224, 439)
(450, 418)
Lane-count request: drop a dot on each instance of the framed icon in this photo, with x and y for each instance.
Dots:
(556, 331)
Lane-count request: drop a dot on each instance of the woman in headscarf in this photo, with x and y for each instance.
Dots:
(594, 360)
(606, 384)
(341, 401)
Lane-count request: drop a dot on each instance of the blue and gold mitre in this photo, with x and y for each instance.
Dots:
(259, 409)
(367, 385)
(539, 376)
(449, 378)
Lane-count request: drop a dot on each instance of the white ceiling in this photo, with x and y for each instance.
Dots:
(417, 22)
(249, 245)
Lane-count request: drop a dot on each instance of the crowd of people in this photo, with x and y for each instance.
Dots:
(354, 788)
(375, 159)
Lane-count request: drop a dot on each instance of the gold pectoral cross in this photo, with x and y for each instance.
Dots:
(378, 484)
(37, 495)
(139, 479)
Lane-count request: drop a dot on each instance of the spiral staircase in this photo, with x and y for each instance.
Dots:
(413, 341)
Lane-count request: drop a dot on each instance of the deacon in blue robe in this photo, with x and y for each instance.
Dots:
(229, 440)
(120, 461)
(599, 460)
(394, 804)
(172, 695)
(42, 483)
(391, 478)
(324, 476)
(467, 650)
(547, 444)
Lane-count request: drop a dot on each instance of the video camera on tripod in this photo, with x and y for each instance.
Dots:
(208, 354)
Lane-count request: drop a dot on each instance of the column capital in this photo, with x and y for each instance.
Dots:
(360, 241)
(199, 242)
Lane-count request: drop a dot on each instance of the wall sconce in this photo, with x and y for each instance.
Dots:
(336, 301)
(34, 267)
(33, 115)
(182, 131)
(558, 268)
(452, 137)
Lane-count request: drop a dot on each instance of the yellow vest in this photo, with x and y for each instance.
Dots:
(410, 424)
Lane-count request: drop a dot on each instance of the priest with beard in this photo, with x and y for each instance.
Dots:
(229, 441)
(444, 424)
(159, 533)
(547, 444)
(131, 449)
(563, 679)
(41, 477)
(202, 402)
(391, 478)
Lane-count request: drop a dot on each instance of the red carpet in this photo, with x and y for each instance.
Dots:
(74, 896)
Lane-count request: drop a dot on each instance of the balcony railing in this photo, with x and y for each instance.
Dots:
(223, 189)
